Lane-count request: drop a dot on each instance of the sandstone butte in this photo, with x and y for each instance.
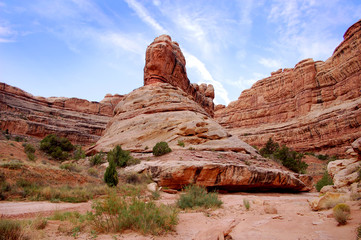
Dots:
(79, 120)
(169, 108)
(315, 106)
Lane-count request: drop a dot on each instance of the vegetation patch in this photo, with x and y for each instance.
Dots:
(72, 167)
(161, 148)
(289, 158)
(116, 214)
(197, 196)
(246, 204)
(341, 212)
(11, 230)
(57, 147)
(181, 143)
(324, 181)
(111, 175)
(97, 159)
(121, 158)
(78, 153)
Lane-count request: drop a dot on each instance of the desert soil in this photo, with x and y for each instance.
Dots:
(293, 219)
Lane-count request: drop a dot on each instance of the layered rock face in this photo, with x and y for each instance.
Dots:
(165, 63)
(165, 110)
(79, 120)
(312, 107)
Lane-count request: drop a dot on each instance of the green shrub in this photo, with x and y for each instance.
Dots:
(118, 214)
(197, 196)
(111, 175)
(269, 148)
(341, 212)
(324, 181)
(161, 148)
(78, 153)
(135, 178)
(121, 158)
(10, 230)
(97, 159)
(289, 158)
(56, 147)
(181, 143)
(246, 204)
(28, 148)
(322, 157)
(72, 167)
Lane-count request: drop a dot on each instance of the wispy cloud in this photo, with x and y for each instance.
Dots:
(145, 16)
(6, 34)
(270, 63)
(245, 83)
(199, 66)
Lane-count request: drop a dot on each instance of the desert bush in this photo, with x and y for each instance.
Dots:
(10, 230)
(322, 157)
(197, 196)
(97, 159)
(78, 153)
(358, 232)
(56, 147)
(72, 167)
(246, 204)
(324, 181)
(161, 148)
(269, 148)
(289, 158)
(341, 212)
(28, 148)
(111, 175)
(39, 223)
(121, 158)
(116, 214)
(136, 178)
(181, 143)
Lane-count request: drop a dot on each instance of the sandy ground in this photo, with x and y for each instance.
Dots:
(293, 219)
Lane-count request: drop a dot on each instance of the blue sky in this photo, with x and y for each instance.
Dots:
(88, 48)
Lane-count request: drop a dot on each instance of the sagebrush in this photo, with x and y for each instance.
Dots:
(197, 196)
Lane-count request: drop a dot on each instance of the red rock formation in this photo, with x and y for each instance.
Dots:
(311, 107)
(77, 119)
(165, 63)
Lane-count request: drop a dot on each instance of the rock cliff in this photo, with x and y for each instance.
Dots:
(168, 108)
(315, 106)
(165, 63)
(79, 120)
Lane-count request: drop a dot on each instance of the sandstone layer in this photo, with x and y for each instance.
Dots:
(165, 63)
(227, 171)
(79, 120)
(315, 106)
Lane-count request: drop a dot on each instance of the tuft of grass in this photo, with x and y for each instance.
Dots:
(13, 164)
(72, 167)
(181, 143)
(324, 181)
(136, 178)
(93, 172)
(358, 232)
(11, 230)
(116, 214)
(79, 153)
(197, 196)
(341, 212)
(39, 223)
(246, 204)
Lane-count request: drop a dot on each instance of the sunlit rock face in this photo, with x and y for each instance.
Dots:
(79, 120)
(315, 106)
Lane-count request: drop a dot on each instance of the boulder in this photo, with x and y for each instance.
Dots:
(327, 201)
(344, 172)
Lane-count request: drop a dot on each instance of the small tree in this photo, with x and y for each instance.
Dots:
(161, 148)
(111, 175)
(119, 156)
(56, 147)
(270, 148)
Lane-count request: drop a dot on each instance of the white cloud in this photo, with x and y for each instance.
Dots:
(5, 34)
(244, 83)
(194, 62)
(145, 16)
(270, 63)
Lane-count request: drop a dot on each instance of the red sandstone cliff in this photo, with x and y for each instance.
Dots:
(79, 120)
(313, 106)
(165, 63)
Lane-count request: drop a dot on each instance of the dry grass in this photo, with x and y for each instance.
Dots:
(341, 212)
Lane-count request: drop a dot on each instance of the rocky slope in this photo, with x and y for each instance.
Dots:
(165, 109)
(79, 120)
(312, 107)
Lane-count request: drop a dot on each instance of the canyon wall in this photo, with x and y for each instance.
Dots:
(79, 120)
(165, 63)
(315, 106)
